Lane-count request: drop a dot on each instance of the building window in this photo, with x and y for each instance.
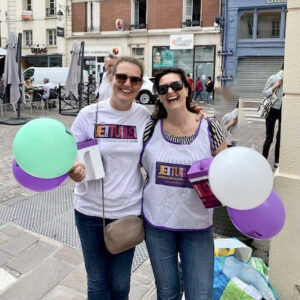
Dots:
(246, 25)
(27, 4)
(138, 51)
(192, 13)
(139, 18)
(28, 38)
(260, 24)
(51, 10)
(51, 37)
(268, 24)
(93, 16)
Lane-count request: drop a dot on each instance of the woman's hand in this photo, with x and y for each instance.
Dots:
(77, 173)
(198, 110)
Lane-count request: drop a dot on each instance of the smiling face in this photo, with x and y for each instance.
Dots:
(124, 93)
(173, 99)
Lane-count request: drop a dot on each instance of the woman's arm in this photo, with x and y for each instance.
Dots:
(222, 146)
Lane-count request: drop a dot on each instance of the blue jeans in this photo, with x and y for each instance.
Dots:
(108, 275)
(198, 94)
(196, 250)
(208, 96)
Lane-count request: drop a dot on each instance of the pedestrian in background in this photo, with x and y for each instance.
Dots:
(209, 89)
(176, 221)
(105, 78)
(118, 125)
(198, 90)
(274, 83)
(191, 83)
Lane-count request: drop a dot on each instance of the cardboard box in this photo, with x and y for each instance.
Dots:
(198, 176)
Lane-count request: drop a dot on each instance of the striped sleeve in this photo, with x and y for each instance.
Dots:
(216, 132)
(148, 130)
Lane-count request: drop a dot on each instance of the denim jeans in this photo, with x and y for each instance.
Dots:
(108, 275)
(198, 94)
(196, 250)
(274, 114)
(208, 96)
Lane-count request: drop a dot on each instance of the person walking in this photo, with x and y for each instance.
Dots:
(274, 83)
(118, 124)
(209, 89)
(176, 221)
(190, 82)
(198, 90)
(104, 78)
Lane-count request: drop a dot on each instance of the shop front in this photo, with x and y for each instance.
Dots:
(253, 45)
(196, 60)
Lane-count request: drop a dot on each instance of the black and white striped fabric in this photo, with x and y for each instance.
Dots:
(266, 104)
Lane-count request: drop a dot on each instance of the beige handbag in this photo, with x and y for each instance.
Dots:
(122, 234)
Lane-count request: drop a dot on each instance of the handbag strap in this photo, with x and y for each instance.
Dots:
(102, 180)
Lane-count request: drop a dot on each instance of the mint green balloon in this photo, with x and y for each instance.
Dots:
(45, 148)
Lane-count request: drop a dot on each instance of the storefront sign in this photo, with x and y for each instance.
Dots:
(185, 41)
(26, 15)
(120, 24)
(38, 50)
(102, 51)
(60, 31)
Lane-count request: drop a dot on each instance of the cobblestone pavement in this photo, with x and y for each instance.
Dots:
(33, 266)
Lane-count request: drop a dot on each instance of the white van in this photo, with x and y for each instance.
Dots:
(56, 75)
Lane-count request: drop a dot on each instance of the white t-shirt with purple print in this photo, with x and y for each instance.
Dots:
(120, 139)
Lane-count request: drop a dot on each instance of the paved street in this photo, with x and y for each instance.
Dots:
(39, 247)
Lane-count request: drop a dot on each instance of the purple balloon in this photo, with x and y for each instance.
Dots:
(262, 222)
(34, 183)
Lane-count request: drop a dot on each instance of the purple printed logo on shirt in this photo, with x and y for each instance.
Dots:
(172, 175)
(114, 131)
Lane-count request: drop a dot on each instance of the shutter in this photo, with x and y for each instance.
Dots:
(252, 74)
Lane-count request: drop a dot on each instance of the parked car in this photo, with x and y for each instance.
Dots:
(145, 95)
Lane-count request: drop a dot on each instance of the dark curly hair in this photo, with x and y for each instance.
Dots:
(160, 111)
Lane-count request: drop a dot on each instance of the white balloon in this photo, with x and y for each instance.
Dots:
(240, 178)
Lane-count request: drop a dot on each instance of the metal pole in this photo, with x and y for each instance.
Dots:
(81, 76)
(19, 50)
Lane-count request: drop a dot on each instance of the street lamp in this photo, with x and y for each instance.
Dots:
(60, 13)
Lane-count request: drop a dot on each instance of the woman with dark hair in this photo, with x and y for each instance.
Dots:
(176, 221)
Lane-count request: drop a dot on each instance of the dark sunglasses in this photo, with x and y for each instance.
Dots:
(122, 78)
(175, 86)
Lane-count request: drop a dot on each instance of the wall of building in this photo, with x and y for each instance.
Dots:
(285, 247)
(3, 24)
(247, 48)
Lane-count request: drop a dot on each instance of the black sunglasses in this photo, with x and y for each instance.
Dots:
(175, 86)
(122, 78)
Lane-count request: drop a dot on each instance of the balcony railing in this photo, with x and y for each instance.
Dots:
(138, 26)
(190, 23)
(51, 12)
